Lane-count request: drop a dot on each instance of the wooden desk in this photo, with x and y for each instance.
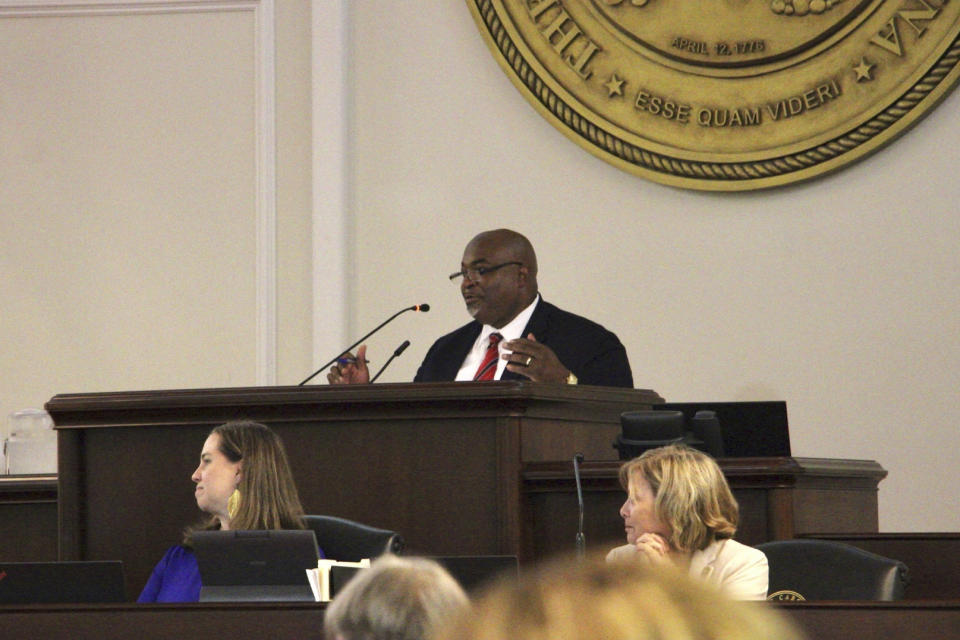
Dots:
(28, 518)
(246, 621)
(253, 621)
(876, 620)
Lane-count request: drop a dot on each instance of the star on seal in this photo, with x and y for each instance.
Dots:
(614, 86)
(863, 70)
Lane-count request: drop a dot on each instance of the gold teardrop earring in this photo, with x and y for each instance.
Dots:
(233, 503)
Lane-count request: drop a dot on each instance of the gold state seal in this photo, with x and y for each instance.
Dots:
(727, 94)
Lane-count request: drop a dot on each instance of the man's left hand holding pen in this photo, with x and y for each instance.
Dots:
(350, 369)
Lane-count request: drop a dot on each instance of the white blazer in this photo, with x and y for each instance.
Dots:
(739, 571)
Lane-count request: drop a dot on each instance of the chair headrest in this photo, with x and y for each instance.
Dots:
(650, 429)
(639, 427)
(643, 430)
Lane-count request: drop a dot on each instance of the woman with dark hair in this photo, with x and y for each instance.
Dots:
(243, 482)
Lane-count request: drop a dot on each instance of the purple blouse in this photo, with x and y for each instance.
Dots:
(176, 578)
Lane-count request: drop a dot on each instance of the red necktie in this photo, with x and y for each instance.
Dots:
(488, 367)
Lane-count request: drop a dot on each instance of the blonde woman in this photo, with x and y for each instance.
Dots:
(243, 482)
(395, 599)
(571, 600)
(680, 511)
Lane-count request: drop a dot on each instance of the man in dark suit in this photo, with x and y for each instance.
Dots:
(532, 339)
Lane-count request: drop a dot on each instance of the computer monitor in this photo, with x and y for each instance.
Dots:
(245, 566)
(756, 429)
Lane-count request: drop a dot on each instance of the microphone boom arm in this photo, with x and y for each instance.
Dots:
(416, 307)
(396, 353)
(581, 543)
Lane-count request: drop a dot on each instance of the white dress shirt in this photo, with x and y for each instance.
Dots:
(511, 331)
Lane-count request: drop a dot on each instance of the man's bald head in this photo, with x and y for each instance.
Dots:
(513, 244)
(510, 282)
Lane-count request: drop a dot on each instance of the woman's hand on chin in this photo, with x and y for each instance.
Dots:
(653, 548)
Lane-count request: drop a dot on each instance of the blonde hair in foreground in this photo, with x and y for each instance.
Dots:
(692, 495)
(570, 600)
(397, 598)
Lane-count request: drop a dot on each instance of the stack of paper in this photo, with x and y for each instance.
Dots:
(319, 578)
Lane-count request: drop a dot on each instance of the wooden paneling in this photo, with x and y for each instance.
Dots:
(456, 468)
(246, 621)
(876, 620)
(28, 518)
(250, 621)
(778, 498)
(440, 463)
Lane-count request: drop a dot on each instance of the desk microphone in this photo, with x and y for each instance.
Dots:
(417, 307)
(397, 352)
(580, 541)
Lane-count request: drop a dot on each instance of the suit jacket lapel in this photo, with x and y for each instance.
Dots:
(539, 326)
(461, 348)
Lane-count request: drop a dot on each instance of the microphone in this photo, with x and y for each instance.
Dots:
(417, 307)
(396, 353)
(581, 542)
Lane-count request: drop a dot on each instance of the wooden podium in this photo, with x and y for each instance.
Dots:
(440, 463)
(456, 468)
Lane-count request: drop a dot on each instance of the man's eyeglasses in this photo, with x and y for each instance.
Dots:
(476, 272)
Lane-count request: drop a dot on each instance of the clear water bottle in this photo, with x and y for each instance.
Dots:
(31, 447)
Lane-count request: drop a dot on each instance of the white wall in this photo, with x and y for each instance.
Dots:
(154, 195)
(129, 258)
(838, 296)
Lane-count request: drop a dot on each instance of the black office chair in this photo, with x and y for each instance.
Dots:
(351, 541)
(643, 430)
(826, 570)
